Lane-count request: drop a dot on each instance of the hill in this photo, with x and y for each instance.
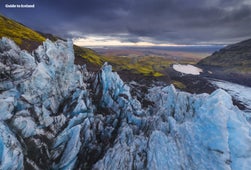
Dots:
(25, 37)
(29, 40)
(235, 58)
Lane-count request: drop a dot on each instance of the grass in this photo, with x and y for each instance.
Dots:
(90, 55)
(28, 39)
(233, 61)
(179, 84)
(20, 34)
(233, 64)
(145, 65)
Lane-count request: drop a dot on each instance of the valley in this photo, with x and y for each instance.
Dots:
(150, 64)
(155, 65)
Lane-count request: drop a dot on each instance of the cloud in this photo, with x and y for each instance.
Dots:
(157, 21)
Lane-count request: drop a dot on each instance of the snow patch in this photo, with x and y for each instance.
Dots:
(187, 69)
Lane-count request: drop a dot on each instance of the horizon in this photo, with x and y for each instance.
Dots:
(206, 49)
(148, 23)
(102, 42)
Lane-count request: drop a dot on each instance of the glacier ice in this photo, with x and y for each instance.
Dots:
(57, 115)
(7, 107)
(11, 153)
(240, 92)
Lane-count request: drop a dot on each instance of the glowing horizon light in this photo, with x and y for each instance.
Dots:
(111, 41)
(101, 41)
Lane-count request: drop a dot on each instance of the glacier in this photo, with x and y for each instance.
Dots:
(55, 114)
(240, 92)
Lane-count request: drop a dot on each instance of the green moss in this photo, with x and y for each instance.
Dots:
(179, 84)
(18, 32)
(88, 54)
(145, 65)
(157, 74)
(232, 59)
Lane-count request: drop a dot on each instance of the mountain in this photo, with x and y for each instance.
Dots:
(233, 58)
(55, 114)
(232, 62)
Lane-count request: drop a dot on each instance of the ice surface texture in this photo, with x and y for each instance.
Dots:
(57, 115)
(240, 92)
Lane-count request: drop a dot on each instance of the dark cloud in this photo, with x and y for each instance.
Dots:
(161, 21)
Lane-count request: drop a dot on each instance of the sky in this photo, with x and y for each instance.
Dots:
(137, 22)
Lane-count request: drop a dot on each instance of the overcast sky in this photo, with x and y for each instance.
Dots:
(138, 21)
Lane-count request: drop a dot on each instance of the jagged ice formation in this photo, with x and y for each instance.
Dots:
(57, 115)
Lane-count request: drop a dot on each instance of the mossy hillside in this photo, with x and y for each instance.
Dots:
(89, 55)
(29, 39)
(145, 65)
(232, 58)
(25, 37)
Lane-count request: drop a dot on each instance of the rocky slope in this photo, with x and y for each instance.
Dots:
(232, 63)
(236, 57)
(57, 115)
